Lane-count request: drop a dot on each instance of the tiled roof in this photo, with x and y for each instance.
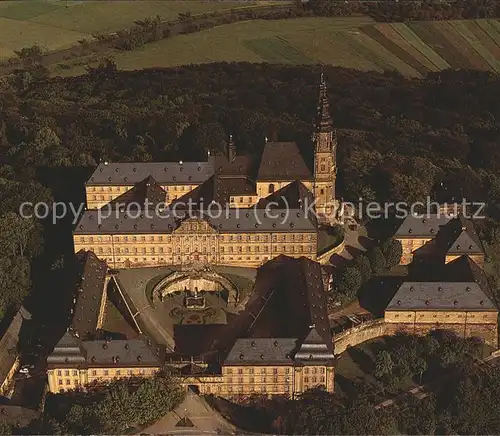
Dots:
(90, 294)
(460, 237)
(133, 352)
(234, 220)
(262, 350)
(212, 190)
(282, 161)
(441, 296)
(294, 195)
(165, 173)
(147, 189)
(121, 353)
(414, 227)
(293, 300)
(241, 166)
(68, 351)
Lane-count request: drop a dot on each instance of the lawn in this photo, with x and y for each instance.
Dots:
(56, 24)
(352, 42)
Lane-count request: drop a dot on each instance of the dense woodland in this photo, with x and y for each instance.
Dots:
(399, 139)
(394, 10)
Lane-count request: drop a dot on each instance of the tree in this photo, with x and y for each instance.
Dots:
(363, 264)
(377, 260)
(383, 364)
(393, 253)
(348, 281)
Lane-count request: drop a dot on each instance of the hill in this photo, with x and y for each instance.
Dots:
(413, 49)
(54, 24)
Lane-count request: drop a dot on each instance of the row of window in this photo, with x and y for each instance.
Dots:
(178, 239)
(421, 315)
(188, 250)
(274, 370)
(127, 188)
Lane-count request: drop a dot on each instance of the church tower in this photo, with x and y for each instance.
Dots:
(325, 162)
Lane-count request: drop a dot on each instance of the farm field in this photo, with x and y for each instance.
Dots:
(56, 24)
(412, 49)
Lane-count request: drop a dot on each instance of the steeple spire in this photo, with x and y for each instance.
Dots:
(324, 122)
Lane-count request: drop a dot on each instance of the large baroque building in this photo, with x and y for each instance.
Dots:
(460, 301)
(441, 237)
(280, 344)
(230, 209)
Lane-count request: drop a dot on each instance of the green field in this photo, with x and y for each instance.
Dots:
(59, 24)
(355, 42)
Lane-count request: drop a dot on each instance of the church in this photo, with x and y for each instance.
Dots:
(269, 205)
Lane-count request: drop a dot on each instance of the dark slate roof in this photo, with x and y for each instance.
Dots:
(68, 351)
(294, 195)
(282, 161)
(71, 351)
(147, 191)
(165, 173)
(90, 295)
(133, 352)
(8, 346)
(464, 269)
(290, 300)
(314, 349)
(460, 237)
(241, 166)
(263, 351)
(239, 186)
(414, 227)
(441, 296)
(230, 220)
(212, 190)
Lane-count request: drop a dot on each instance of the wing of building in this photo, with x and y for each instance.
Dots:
(280, 344)
(461, 302)
(227, 202)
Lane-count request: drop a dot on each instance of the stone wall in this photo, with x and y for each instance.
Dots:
(359, 334)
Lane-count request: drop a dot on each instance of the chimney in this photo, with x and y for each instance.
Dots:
(231, 149)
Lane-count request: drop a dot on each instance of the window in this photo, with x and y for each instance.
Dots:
(271, 188)
(66, 372)
(68, 382)
(229, 371)
(106, 372)
(94, 372)
(59, 382)
(240, 371)
(118, 372)
(306, 379)
(59, 372)
(275, 370)
(75, 372)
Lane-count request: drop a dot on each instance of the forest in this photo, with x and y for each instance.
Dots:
(399, 139)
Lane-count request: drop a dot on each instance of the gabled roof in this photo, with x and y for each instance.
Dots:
(90, 295)
(212, 190)
(293, 196)
(165, 173)
(241, 166)
(460, 237)
(282, 161)
(447, 296)
(68, 351)
(146, 192)
(414, 226)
